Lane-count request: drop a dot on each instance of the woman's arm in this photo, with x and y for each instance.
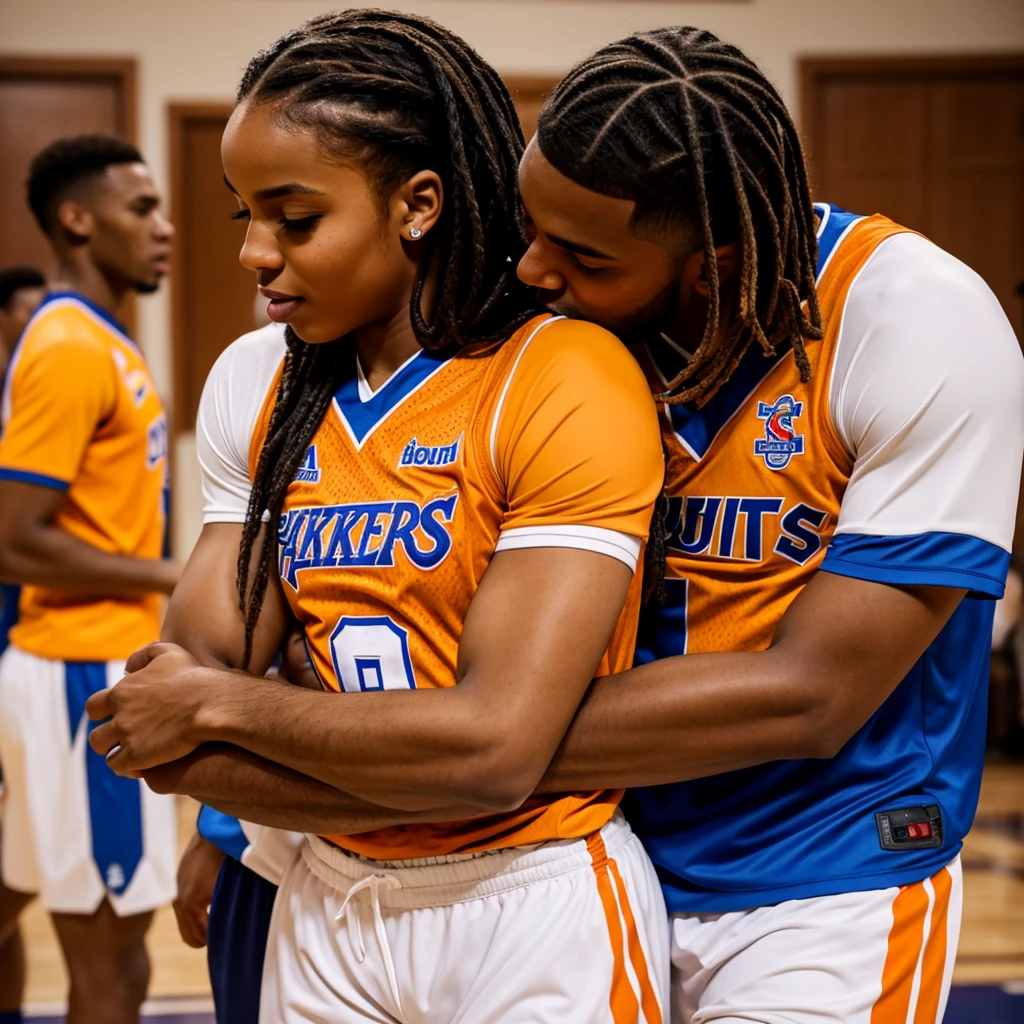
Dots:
(535, 633)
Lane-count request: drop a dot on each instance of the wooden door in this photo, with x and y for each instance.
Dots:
(212, 295)
(935, 144)
(42, 100)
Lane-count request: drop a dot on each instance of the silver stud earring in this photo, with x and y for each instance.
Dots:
(415, 233)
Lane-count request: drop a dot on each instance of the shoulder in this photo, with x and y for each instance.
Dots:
(244, 372)
(251, 359)
(584, 354)
(911, 283)
(931, 322)
(235, 391)
(64, 329)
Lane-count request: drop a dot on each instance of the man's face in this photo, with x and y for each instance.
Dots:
(586, 260)
(131, 238)
(24, 302)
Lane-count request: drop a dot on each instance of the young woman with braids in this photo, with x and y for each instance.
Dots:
(443, 487)
(841, 403)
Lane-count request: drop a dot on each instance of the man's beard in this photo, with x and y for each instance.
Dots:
(647, 322)
(147, 287)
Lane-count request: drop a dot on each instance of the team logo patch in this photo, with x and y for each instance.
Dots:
(430, 456)
(781, 441)
(309, 471)
(137, 382)
(156, 442)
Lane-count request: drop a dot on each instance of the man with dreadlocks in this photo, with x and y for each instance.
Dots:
(459, 490)
(841, 406)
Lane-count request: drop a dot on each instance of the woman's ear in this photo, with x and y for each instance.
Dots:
(420, 201)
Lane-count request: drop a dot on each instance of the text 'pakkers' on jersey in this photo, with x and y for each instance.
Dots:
(364, 534)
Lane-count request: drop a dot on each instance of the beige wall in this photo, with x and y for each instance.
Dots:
(195, 49)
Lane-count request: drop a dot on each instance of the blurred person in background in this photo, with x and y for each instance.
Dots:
(82, 475)
(21, 291)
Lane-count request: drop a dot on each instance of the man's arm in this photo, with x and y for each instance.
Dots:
(249, 787)
(537, 628)
(840, 650)
(33, 550)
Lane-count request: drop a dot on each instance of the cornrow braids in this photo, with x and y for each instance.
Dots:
(400, 94)
(689, 128)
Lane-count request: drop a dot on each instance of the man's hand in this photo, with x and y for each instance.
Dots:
(153, 711)
(197, 876)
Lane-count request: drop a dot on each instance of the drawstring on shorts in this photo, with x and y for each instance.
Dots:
(355, 931)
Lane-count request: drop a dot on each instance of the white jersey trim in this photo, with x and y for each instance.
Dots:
(615, 544)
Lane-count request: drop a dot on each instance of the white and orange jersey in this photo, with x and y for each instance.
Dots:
(898, 463)
(81, 415)
(404, 495)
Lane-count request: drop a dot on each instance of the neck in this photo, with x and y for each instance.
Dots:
(84, 277)
(689, 322)
(384, 347)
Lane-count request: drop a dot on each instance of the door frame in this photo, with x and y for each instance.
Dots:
(815, 71)
(178, 116)
(123, 70)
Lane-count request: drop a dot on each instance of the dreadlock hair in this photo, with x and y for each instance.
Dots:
(66, 163)
(399, 94)
(689, 128)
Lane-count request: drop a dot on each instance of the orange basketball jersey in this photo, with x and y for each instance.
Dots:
(404, 495)
(81, 415)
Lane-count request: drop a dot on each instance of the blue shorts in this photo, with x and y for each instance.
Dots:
(237, 941)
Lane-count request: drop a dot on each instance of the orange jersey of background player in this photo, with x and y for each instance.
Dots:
(404, 495)
(81, 415)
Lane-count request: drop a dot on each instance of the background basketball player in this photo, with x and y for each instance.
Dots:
(83, 472)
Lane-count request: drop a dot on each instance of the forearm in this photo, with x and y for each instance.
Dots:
(249, 787)
(396, 747)
(684, 718)
(51, 557)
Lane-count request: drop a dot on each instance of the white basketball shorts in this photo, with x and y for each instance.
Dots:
(73, 831)
(879, 957)
(573, 932)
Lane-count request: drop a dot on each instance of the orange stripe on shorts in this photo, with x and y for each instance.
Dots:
(908, 915)
(934, 964)
(624, 1005)
(648, 999)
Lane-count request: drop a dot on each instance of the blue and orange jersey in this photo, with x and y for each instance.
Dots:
(547, 440)
(81, 415)
(896, 463)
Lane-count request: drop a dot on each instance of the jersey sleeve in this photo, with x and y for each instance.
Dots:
(62, 387)
(927, 395)
(230, 404)
(575, 443)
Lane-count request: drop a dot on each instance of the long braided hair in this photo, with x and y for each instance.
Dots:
(689, 128)
(400, 94)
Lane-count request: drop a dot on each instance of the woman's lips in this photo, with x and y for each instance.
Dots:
(279, 310)
(281, 305)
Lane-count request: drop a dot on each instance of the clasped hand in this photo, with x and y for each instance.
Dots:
(151, 716)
